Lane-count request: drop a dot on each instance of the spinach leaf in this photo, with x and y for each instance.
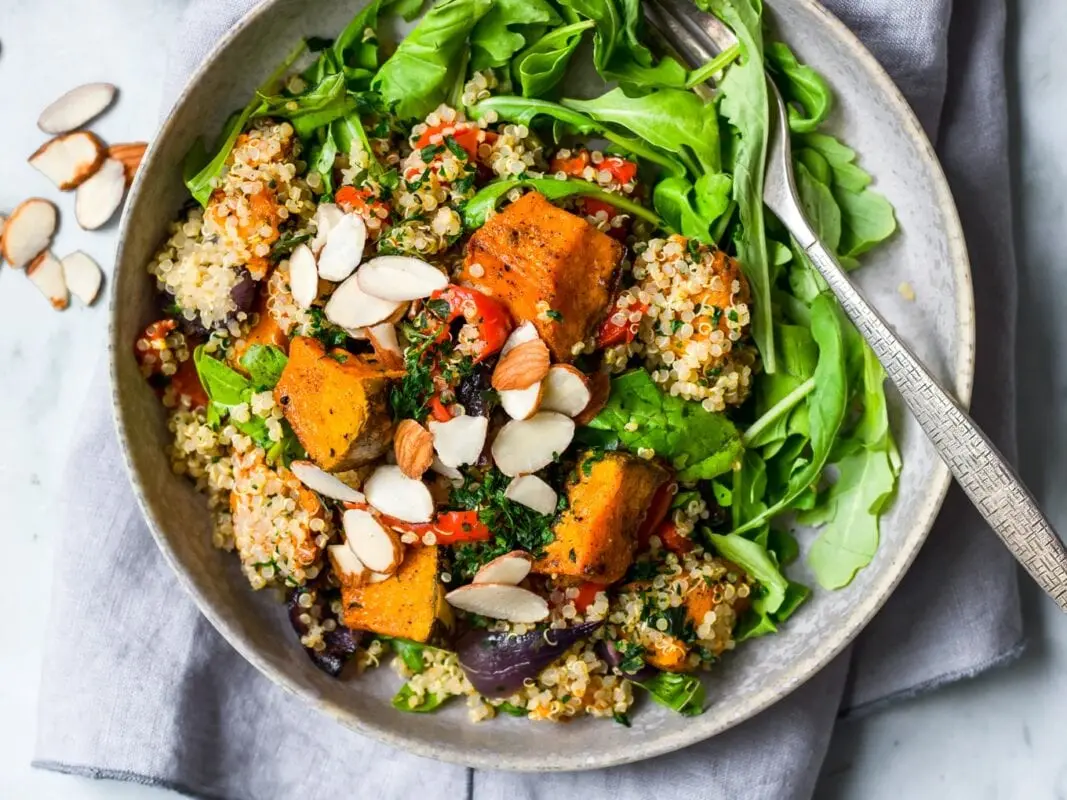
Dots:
(224, 386)
(477, 208)
(539, 67)
(700, 444)
(410, 653)
(503, 31)
(806, 93)
(676, 691)
(430, 701)
(754, 559)
(431, 60)
(265, 364)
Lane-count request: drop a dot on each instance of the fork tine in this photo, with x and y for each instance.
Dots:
(675, 37)
(702, 32)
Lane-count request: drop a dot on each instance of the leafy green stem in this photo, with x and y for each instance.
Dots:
(779, 409)
(720, 62)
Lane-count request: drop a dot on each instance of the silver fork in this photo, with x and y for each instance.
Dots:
(987, 479)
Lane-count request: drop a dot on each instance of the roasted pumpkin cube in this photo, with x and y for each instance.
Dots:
(671, 654)
(411, 604)
(597, 535)
(549, 267)
(337, 404)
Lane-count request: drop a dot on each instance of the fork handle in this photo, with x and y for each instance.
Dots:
(988, 480)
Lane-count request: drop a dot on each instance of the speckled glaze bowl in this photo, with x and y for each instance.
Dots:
(928, 253)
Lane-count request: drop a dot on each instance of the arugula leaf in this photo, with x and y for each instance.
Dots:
(802, 87)
(700, 444)
(410, 653)
(692, 210)
(477, 208)
(512, 709)
(754, 559)
(224, 386)
(503, 31)
(677, 691)
(430, 701)
(265, 364)
(539, 67)
(430, 60)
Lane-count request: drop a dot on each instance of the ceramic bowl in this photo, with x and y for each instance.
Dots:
(928, 253)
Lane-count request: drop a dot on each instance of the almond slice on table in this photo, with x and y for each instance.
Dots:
(344, 248)
(522, 366)
(533, 493)
(46, 272)
(499, 601)
(526, 332)
(69, 160)
(303, 276)
(130, 155)
(510, 568)
(527, 445)
(386, 344)
(97, 200)
(346, 563)
(392, 492)
(522, 403)
(83, 276)
(460, 440)
(29, 231)
(377, 547)
(350, 307)
(599, 392)
(413, 447)
(566, 390)
(76, 107)
(401, 278)
(319, 480)
(327, 215)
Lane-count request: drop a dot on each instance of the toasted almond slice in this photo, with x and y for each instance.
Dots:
(97, 200)
(375, 545)
(350, 307)
(69, 160)
(377, 577)
(413, 447)
(401, 278)
(346, 563)
(451, 473)
(29, 231)
(499, 601)
(522, 403)
(344, 248)
(83, 276)
(533, 493)
(522, 367)
(130, 154)
(524, 333)
(318, 480)
(392, 492)
(386, 344)
(303, 276)
(524, 446)
(566, 390)
(327, 215)
(460, 440)
(510, 568)
(46, 272)
(76, 107)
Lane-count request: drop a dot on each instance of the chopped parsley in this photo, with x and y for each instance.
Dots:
(455, 148)
(554, 315)
(322, 329)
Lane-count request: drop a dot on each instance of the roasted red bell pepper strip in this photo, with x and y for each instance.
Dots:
(457, 527)
(438, 410)
(657, 512)
(611, 334)
(587, 593)
(489, 317)
(466, 136)
(672, 540)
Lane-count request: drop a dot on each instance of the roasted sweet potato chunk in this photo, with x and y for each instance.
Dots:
(596, 535)
(337, 404)
(411, 604)
(532, 254)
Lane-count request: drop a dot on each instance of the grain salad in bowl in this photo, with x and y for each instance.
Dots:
(522, 392)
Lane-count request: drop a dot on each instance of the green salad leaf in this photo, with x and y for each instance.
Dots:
(677, 691)
(506, 28)
(806, 93)
(429, 702)
(541, 66)
(265, 364)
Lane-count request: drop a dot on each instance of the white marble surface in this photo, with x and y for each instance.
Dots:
(998, 736)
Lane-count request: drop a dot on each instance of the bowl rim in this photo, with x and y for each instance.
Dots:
(803, 669)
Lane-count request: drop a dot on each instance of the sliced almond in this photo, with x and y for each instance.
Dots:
(533, 493)
(350, 307)
(460, 440)
(83, 276)
(344, 248)
(377, 577)
(524, 446)
(346, 563)
(375, 545)
(46, 272)
(413, 445)
(510, 568)
(522, 403)
(451, 473)
(97, 200)
(69, 160)
(76, 107)
(29, 231)
(327, 215)
(566, 390)
(130, 155)
(392, 492)
(599, 392)
(303, 276)
(499, 601)
(401, 278)
(524, 333)
(386, 344)
(522, 367)
(318, 480)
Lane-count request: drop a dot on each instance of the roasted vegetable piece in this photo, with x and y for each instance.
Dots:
(670, 654)
(337, 404)
(549, 267)
(409, 605)
(597, 535)
(266, 331)
(341, 643)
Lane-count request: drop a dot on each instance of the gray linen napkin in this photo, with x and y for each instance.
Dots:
(138, 686)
